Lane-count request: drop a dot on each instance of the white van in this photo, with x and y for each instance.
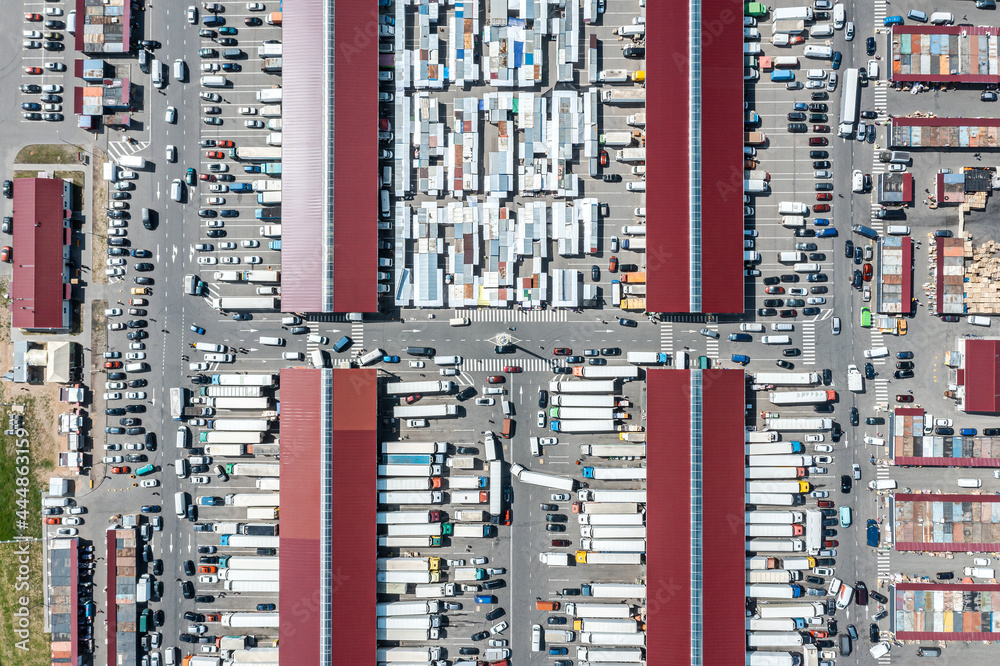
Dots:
(876, 352)
(942, 18)
(751, 256)
(176, 189)
(447, 360)
(374, 356)
(636, 186)
(214, 81)
(792, 221)
(459, 321)
(873, 70)
(792, 208)
(790, 257)
(159, 74)
(752, 328)
(784, 62)
(144, 589)
(507, 406)
(383, 198)
(806, 268)
(182, 469)
(136, 367)
(292, 356)
(818, 52)
(56, 501)
(317, 357)
(180, 70)
(969, 483)
(181, 501)
(536, 449)
(977, 320)
(220, 358)
(208, 347)
(271, 341)
(838, 16)
(821, 30)
(183, 437)
(639, 211)
(634, 230)
(776, 340)
(782, 326)
(857, 181)
(882, 484)
(897, 230)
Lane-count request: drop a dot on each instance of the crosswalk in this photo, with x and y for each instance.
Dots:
(504, 316)
(878, 340)
(712, 344)
(667, 337)
(123, 148)
(358, 333)
(880, 92)
(498, 364)
(809, 343)
(881, 391)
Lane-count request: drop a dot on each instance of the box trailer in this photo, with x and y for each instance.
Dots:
(801, 397)
(775, 499)
(774, 472)
(613, 531)
(414, 447)
(469, 497)
(775, 546)
(578, 400)
(598, 610)
(774, 448)
(414, 529)
(809, 423)
(541, 479)
(789, 460)
(787, 378)
(773, 576)
(614, 590)
(403, 608)
(615, 496)
(411, 497)
(604, 638)
(621, 519)
(409, 470)
(467, 482)
(406, 517)
(774, 517)
(803, 610)
(409, 388)
(614, 545)
(606, 625)
(614, 473)
(613, 450)
(583, 426)
(607, 557)
(777, 486)
(757, 639)
(774, 591)
(599, 386)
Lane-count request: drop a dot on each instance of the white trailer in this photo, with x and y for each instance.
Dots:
(403, 483)
(773, 591)
(803, 610)
(775, 546)
(408, 470)
(424, 411)
(414, 448)
(809, 423)
(251, 585)
(436, 591)
(409, 388)
(779, 576)
(774, 639)
(467, 482)
(249, 574)
(268, 483)
(598, 610)
(772, 499)
(609, 507)
(254, 620)
(615, 473)
(611, 519)
(596, 557)
(420, 529)
(614, 545)
(422, 654)
(760, 436)
(601, 656)
(607, 625)
(397, 517)
(777, 517)
(788, 460)
(411, 497)
(618, 590)
(777, 624)
(773, 473)
(249, 562)
(612, 532)
(407, 576)
(772, 449)
(760, 658)
(469, 497)
(787, 378)
(541, 479)
(801, 397)
(777, 486)
(582, 400)
(588, 386)
(636, 640)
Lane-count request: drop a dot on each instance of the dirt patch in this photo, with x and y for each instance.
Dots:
(98, 331)
(49, 153)
(98, 236)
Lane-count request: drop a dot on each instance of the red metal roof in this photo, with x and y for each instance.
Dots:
(299, 636)
(37, 284)
(353, 88)
(946, 122)
(982, 376)
(906, 292)
(354, 419)
(991, 31)
(668, 504)
(110, 594)
(668, 159)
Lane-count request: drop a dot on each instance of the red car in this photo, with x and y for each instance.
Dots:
(52, 520)
(795, 39)
(821, 128)
(506, 517)
(867, 273)
(5, 254)
(561, 543)
(775, 290)
(830, 543)
(224, 144)
(787, 314)
(214, 154)
(824, 504)
(112, 365)
(821, 208)
(32, 17)
(207, 570)
(818, 141)
(512, 368)
(496, 379)
(120, 470)
(824, 196)
(410, 399)
(604, 158)
(562, 351)
(904, 397)
(207, 176)
(818, 633)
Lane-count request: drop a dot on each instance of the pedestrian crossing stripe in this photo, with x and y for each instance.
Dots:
(667, 337)
(498, 315)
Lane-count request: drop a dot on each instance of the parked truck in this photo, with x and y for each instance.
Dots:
(424, 411)
(855, 380)
(468, 573)
(775, 499)
(403, 608)
(774, 473)
(469, 497)
(613, 450)
(775, 448)
(229, 450)
(581, 400)
(775, 546)
(600, 386)
(586, 610)
(413, 459)
(789, 639)
(404, 517)
(632, 95)
(246, 541)
(244, 380)
(467, 482)
(774, 591)
(411, 497)
(614, 473)
(773, 576)
(472, 530)
(232, 391)
(606, 371)
(789, 460)
(607, 625)
(767, 530)
(803, 610)
(408, 483)
(808, 423)
(407, 576)
(620, 519)
(606, 507)
(619, 590)
(541, 479)
(414, 447)
(409, 388)
(588, 495)
(614, 545)
(414, 529)
(774, 517)
(240, 425)
(409, 470)
(604, 638)
(614, 531)
(606, 557)
(583, 426)
(407, 654)
(636, 119)
(787, 378)
(631, 155)
(471, 516)
(760, 436)
(801, 397)
(230, 437)
(647, 358)
(555, 559)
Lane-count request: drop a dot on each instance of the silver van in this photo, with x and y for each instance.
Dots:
(136, 367)
(942, 18)
(752, 328)
(507, 406)
(384, 202)
(180, 70)
(447, 360)
(776, 340)
(181, 501)
(272, 341)
(183, 437)
(806, 268)
(176, 189)
(182, 469)
(781, 326)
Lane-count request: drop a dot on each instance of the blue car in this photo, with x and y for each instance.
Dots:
(820, 222)
(968, 432)
(827, 233)
(390, 359)
(341, 344)
(627, 322)
(197, 329)
(835, 61)
(554, 651)
(227, 31)
(485, 599)
(742, 359)
(252, 168)
(229, 212)
(242, 316)
(872, 534)
(892, 20)
(266, 607)
(800, 106)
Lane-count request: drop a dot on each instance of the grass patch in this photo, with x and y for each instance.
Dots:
(21, 173)
(48, 153)
(13, 584)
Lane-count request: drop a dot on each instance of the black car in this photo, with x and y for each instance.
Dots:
(903, 374)
(465, 393)
(555, 619)
(611, 351)
(468, 650)
(543, 398)
(137, 383)
(818, 154)
(870, 46)
(555, 527)
(548, 507)
(188, 568)
(881, 598)
(208, 559)
(818, 96)
(945, 575)
(991, 432)
(944, 431)
(611, 178)
(480, 636)
(869, 371)
(142, 280)
(595, 273)
(207, 212)
(827, 376)
(555, 518)
(221, 473)
(135, 409)
(848, 248)
(116, 376)
(904, 365)
(773, 302)
(129, 422)
(790, 277)
(494, 584)
(187, 589)
(135, 431)
(859, 255)
(30, 88)
(792, 351)
(143, 266)
(815, 580)
(873, 632)
(810, 311)
(466, 450)
(875, 420)
(797, 127)
(118, 411)
(188, 638)
(771, 280)
(824, 408)
(207, 549)
(835, 432)
(856, 280)
(830, 522)
(821, 164)
(869, 114)
(784, 364)
(818, 290)
(504, 349)
(137, 323)
(854, 416)
(845, 483)
(135, 458)
(634, 52)
(823, 187)
(205, 599)
(191, 616)
(495, 613)
(796, 116)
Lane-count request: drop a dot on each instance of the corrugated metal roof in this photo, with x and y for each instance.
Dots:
(982, 376)
(37, 286)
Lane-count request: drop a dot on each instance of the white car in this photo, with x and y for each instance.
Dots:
(416, 423)
(77, 510)
(53, 11)
(117, 224)
(815, 84)
(72, 521)
(215, 224)
(824, 448)
(253, 243)
(819, 494)
(113, 396)
(197, 366)
(203, 247)
(455, 563)
(135, 356)
(252, 260)
(208, 580)
(217, 201)
(112, 312)
(255, 6)
(210, 96)
(448, 372)
(478, 561)
(67, 531)
(815, 438)
(817, 470)
(541, 419)
(485, 402)
(137, 345)
(171, 153)
(199, 479)
(52, 87)
(416, 364)
(112, 447)
(253, 124)
(135, 446)
(192, 15)
(248, 111)
(116, 261)
(560, 497)
(149, 483)
(797, 291)
(114, 385)
(118, 325)
(209, 67)
(218, 187)
(32, 34)
(849, 32)
(230, 260)
(31, 44)
(218, 167)
(499, 628)
(816, 300)
(136, 395)
(207, 261)
(112, 460)
(171, 115)
(943, 423)
(823, 460)
(548, 441)
(227, 245)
